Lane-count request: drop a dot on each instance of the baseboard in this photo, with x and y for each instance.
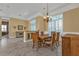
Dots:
(70, 33)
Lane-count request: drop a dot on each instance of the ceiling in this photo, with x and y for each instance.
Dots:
(31, 10)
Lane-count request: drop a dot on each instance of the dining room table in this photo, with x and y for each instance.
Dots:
(44, 37)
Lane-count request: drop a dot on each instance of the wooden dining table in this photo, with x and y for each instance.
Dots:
(44, 37)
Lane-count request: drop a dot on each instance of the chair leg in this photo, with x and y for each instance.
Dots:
(57, 44)
(37, 46)
(43, 44)
(54, 46)
(40, 44)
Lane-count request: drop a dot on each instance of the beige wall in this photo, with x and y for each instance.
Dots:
(71, 20)
(14, 22)
(41, 25)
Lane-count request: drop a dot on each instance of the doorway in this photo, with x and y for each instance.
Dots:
(4, 28)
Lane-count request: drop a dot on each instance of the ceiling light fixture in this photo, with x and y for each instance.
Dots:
(46, 16)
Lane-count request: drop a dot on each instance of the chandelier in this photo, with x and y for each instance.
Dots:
(46, 16)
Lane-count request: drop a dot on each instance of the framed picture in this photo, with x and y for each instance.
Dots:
(20, 27)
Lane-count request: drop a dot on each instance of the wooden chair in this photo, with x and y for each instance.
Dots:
(57, 38)
(35, 40)
(51, 42)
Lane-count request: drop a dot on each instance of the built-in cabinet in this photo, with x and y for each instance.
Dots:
(70, 45)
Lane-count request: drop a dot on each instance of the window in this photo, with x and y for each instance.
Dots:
(4, 28)
(33, 25)
(56, 23)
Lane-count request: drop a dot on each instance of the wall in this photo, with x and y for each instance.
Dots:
(41, 25)
(13, 26)
(71, 20)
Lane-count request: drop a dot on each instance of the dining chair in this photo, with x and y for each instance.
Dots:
(35, 40)
(57, 38)
(51, 42)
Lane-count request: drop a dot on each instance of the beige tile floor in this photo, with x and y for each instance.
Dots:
(16, 47)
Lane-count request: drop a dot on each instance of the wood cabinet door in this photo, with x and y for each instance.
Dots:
(66, 50)
(75, 46)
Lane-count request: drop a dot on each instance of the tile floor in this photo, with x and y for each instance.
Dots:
(16, 47)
